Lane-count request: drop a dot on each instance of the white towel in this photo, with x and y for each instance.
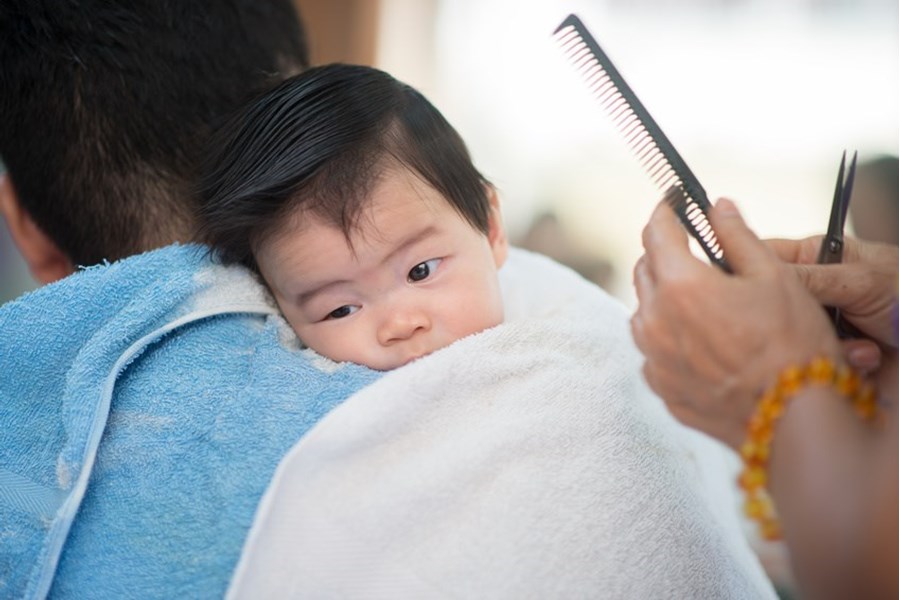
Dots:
(528, 461)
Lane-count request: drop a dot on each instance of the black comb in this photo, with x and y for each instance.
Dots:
(651, 146)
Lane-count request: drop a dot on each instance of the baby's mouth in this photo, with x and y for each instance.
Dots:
(415, 357)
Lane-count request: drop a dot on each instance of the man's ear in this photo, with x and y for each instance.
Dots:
(496, 234)
(45, 260)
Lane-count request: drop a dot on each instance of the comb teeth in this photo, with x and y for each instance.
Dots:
(695, 219)
(647, 141)
(605, 91)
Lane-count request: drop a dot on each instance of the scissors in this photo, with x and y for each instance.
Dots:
(832, 249)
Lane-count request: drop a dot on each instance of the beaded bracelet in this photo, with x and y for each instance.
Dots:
(761, 427)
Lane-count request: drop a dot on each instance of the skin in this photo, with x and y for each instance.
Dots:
(413, 277)
(864, 285)
(46, 262)
(713, 342)
(710, 366)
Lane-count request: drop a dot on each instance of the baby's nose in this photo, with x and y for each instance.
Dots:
(401, 324)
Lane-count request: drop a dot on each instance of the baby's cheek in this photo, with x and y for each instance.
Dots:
(496, 317)
(483, 313)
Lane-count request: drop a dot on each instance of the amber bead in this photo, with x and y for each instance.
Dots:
(761, 429)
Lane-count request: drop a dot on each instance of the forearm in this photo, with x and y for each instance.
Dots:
(832, 488)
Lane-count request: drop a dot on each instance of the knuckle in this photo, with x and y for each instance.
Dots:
(650, 376)
(637, 332)
(653, 328)
(771, 270)
(646, 235)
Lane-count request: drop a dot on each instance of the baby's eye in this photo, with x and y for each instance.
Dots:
(423, 270)
(340, 313)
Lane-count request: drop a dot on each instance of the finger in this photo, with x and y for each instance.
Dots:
(663, 231)
(643, 280)
(744, 251)
(805, 251)
(649, 373)
(637, 332)
(863, 355)
(832, 285)
(666, 244)
(855, 250)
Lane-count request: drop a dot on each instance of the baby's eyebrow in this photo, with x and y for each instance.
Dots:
(412, 239)
(320, 289)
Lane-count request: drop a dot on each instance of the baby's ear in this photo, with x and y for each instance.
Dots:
(496, 234)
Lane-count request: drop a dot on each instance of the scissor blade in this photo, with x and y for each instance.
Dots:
(848, 190)
(832, 246)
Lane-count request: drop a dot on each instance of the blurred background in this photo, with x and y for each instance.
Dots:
(760, 97)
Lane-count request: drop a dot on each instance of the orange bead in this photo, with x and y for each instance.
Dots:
(766, 434)
(761, 427)
(749, 450)
(791, 380)
(865, 409)
(866, 394)
(772, 410)
(770, 396)
(770, 530)
(821, 371)
(757, 424)
(846, 382)
(758, 507)
(753, 478)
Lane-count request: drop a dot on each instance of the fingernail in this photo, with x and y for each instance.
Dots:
(727, 208)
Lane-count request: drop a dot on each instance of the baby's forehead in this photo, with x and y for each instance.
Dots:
(393, 190)
(380, 219)
(401, 215)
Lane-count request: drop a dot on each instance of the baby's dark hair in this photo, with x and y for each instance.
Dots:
(318, 142)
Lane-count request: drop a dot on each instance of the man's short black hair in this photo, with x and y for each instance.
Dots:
(105, 107)
(318, 142)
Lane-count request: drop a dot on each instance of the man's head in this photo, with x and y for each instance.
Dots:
(105, 107)
(360, 207)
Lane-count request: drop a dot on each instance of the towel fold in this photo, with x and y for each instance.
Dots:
(528, 461)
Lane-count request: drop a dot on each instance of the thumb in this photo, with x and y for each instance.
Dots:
(863, 355)
(744, 251)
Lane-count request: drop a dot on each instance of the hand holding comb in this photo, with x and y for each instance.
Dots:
(651, 146)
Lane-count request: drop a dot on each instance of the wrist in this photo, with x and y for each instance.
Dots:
(819, 377)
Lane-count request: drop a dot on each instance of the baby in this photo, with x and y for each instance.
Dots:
(359, 206)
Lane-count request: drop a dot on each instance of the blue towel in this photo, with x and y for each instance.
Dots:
(144, 406)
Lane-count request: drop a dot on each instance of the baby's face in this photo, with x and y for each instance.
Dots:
(417, 278)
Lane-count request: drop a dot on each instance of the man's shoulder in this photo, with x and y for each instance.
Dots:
(134, 295)
(64, 343)
(195, 385)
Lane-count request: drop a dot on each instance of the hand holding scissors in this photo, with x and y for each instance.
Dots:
(832, 249)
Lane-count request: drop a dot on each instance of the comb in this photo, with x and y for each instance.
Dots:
(650, 145)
